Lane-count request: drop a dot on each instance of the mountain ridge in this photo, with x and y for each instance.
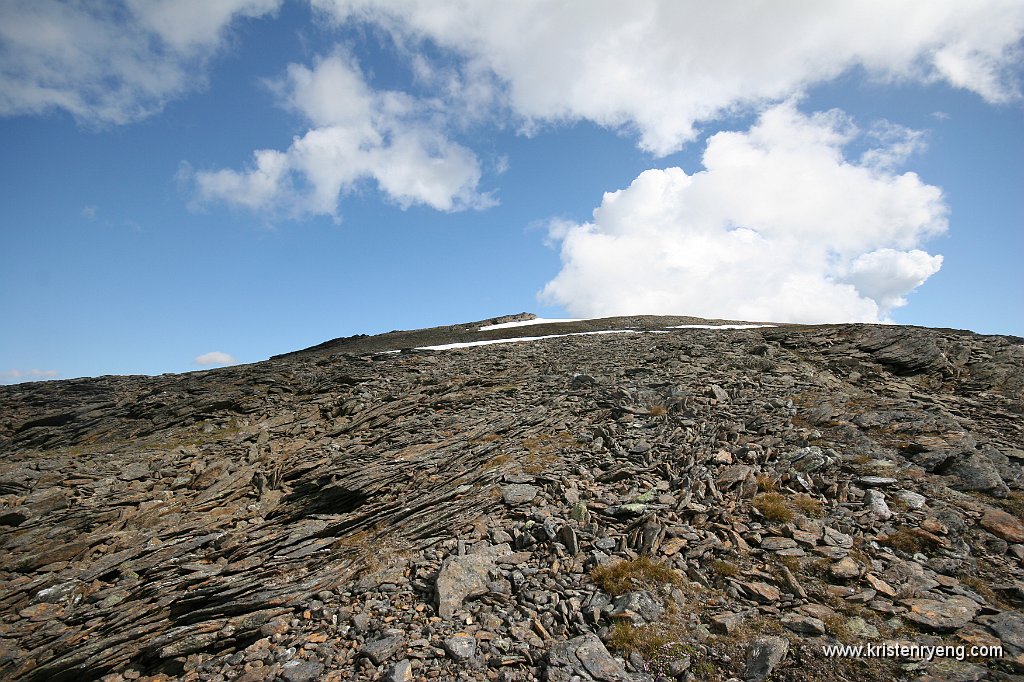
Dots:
(345, 512)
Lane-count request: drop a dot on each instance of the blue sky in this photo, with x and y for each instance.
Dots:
(444, 164)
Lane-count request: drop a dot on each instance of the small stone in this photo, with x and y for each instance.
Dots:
(804, 625)
(844, 569)
(836, 539)
(774, 544)
(763, 656)
(874, 500)
(301, 671)
(763, 592)
(460, 646)
(380, 650)
(876, 481)
(400, 672)
(912, 499)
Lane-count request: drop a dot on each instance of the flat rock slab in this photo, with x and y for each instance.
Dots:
(777, 543)
(584, 658)
(947, 615)
(1008, 626)
(518, 493)
(1003, 525)
(302, 671)
(380, 650)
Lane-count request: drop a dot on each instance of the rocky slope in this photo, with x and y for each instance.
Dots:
(650, 504)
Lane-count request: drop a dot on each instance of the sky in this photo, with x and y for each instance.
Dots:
(186, 184)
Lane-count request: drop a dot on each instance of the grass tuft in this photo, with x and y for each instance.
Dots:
(640, 573)
(773, 507)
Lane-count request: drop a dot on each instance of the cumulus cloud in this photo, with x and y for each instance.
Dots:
(779, 226)
(17, 376)
(357, 134)
(113, 62)
(215, 357)
(663, 66)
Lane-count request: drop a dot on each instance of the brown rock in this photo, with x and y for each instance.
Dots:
(1003, 525)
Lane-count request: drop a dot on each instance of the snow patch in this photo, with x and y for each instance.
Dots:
(723, 326)
(524, 323)
(468, 344)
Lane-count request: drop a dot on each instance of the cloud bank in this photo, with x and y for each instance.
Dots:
(215, 357)
(358, 134)
(17, 376)
(112, 62)
(661, 67)
(779, 226)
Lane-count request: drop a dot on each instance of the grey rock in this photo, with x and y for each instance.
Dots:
(461, 577)
(727, 623)
(460, 646)
(400, 671)
(763, 656)
(804, 625)
(877, 481)
(639, 607)
(381, 649)
(302, 671)
(518, 493)
(976, 473)
(836, 539)
(874, 500)
(1008, 626)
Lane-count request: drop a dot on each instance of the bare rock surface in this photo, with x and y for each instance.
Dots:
(658, 503)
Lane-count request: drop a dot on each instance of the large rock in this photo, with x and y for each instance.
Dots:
(974, 472)
(584, 658)
(462, 577)
(1001, 524)
(946, 615)
(763, 656)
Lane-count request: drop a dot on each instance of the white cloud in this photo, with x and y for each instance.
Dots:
(780, 226)
(215, 357)
(896, 143)
(357, 134)
(17, 376)
(662, 67)
(109, 63)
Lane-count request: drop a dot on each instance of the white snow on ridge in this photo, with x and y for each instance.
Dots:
(723, 326)
(522, 323)
(468, 344)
